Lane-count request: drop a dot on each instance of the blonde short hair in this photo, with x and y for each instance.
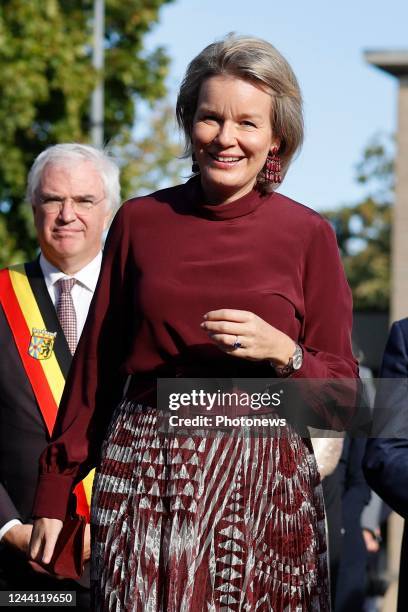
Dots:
(256, 61)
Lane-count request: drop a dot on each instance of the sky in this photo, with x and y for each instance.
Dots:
(346, 101)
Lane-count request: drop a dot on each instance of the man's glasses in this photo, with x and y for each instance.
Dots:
(80, 204)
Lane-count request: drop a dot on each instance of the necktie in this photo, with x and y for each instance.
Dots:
(66, 312)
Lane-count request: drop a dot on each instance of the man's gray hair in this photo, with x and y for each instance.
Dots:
(68, 153)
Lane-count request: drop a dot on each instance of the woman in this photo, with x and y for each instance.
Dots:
(218, 277)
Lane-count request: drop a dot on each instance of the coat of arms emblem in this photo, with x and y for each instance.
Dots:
(41, 343)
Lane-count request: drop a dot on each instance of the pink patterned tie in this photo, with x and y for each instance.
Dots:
(66, 312)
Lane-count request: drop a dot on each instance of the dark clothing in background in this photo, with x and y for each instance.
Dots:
(386, 458)
(23, 437)
(351, 578)
(332, 502)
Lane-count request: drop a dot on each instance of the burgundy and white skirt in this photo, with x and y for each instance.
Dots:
(194, 523)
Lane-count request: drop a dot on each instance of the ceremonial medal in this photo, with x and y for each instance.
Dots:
(41, 343)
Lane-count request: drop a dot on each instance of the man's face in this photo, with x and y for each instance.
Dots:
(70, 214)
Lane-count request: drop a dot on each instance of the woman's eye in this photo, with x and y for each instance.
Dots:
(248, 123)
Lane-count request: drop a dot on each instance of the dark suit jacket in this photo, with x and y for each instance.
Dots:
(355, 495)
(23, 434)
(386, 459)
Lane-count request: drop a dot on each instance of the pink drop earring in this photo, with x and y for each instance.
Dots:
(272, 168)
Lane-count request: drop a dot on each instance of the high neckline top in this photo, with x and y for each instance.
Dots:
(240, 207)
(166, 264)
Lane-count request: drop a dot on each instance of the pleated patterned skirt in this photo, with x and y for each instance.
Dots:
(196, 523)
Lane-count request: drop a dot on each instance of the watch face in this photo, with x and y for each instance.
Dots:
(297, 359)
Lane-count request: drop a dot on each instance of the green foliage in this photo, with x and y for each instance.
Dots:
(152, 160)
(46, 80)
(364, 229)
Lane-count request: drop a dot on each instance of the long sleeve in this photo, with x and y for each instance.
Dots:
(94, 384)
(327, 324)
(395, 360)
(386, 459)
(329, 368)
(8, 511)
(166, 263)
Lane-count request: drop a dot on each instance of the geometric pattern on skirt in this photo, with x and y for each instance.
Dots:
(219, 523)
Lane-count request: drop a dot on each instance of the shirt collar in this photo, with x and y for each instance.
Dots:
(87, 276)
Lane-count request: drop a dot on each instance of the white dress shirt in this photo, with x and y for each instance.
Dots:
(82, 293)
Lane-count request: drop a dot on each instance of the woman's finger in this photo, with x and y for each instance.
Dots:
(223, 327)
(43, 539)
(230, 343)
(226, 340)
(228, 314)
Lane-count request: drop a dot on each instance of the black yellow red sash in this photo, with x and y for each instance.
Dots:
(45, 369)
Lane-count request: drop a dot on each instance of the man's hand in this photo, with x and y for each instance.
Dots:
(43, 539)
(18, 537)
(372, 539)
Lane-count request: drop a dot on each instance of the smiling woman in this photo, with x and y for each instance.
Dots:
(261, 66)
(231, 136)
(219, 278)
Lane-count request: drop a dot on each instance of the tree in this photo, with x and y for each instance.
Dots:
(152, 159)
(46, 80)
(364, 229)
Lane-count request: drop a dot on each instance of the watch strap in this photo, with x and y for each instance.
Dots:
(294, 363)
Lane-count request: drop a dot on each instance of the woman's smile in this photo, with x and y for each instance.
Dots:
(231, 136)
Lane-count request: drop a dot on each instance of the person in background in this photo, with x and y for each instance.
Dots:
(386, 458)
(328, 451)
(355, 495)
(72, 189)
(373, 521)
(221, 277)
(373, 516)
(346, 494)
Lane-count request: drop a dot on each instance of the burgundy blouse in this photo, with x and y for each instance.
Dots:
(171, 257)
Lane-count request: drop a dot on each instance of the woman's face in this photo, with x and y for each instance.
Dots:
(231, 136)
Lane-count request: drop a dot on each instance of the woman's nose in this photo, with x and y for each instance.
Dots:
(226, 134)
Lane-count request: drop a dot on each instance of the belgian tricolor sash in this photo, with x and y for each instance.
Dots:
(42, 347)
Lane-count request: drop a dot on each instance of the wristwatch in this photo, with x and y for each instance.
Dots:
(294, 363)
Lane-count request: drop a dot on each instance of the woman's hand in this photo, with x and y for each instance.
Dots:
(43, 539)
(258, 340)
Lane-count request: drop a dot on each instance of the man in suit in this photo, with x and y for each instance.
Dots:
(386, 458)
(73, 190)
